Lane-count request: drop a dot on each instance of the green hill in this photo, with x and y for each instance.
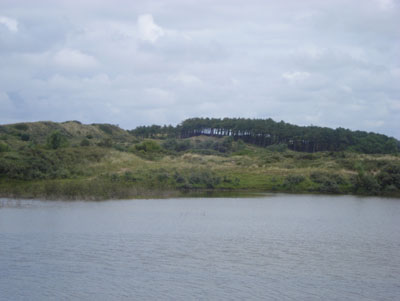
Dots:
(102, 161)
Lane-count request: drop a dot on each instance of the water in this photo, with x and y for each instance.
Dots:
(277, 247)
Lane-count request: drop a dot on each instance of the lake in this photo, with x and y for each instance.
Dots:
(271, 247)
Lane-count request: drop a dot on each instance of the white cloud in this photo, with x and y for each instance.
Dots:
(158, 97)
(5, 103)
(296, 76)
(11, 24)
(148, 30)
(285, 59)
(74, 59)
(385, 4)
(186, 79)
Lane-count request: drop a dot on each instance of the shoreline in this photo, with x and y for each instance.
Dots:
(178, 193)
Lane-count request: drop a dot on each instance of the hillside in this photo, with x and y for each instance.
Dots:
(102, 161)
(37, 132)
(265, 132)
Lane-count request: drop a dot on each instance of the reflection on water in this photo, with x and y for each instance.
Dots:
(279, 247)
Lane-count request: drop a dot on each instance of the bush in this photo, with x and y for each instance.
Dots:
(176, 146)
(56, 140)
(148, 146)
(129, 177)
(120, 147)
(25, 137)
(4, 147)
(35, 163)
(179, 178)
(329, 186)
(389, 176)
(293, 180)
(85, 142)
(329, 182)
(106, 128)
(21, 126)
(366, 184)
(107, 142)
(198, 179)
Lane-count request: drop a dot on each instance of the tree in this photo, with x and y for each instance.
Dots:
(56, 140)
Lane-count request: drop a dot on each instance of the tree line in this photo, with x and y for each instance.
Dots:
(266, 132)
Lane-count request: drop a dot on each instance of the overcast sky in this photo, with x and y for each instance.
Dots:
(331, 63)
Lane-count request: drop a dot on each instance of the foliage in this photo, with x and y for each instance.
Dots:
(197, 178)
(106, 128)
(56, 140)
(148, 149)
(267, 132)
(38, 163)
(25, 137)
(233, 156)
(176, 146)
(366, 183)
(389, 178)
(291, 181)
(328, 182)
(21, 126)
(148, 146)
(281, 147)
(106, 142)
(85, 142)
(4, 147)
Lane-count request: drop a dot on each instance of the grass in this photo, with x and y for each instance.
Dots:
(104, 171)
(127, 175)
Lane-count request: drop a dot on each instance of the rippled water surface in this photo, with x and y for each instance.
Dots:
(277, 247)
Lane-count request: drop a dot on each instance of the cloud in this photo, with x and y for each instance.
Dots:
(385, 4)
(331, 63)
(296, 76)
(186, 79)
(10, 23)
(159, 97)
(71, 58)
(6, 105)
(149, 31)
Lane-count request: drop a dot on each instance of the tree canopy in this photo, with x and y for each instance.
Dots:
(266, 132)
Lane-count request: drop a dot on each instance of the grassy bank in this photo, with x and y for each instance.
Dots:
(99, 162)
(101, 173)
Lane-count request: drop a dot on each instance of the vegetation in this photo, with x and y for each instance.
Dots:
(100, 161)
(266, 132)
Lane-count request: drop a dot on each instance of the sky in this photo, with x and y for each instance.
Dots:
(333, 63)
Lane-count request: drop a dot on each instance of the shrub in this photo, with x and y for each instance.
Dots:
(366, 183)
(177, 146)
(293, 180)
(21, 126)
(56, 140)
(389, 176)
(25, 137)
(329, 186)
(120, 147)
(106, 128)
(107, 142)
(329, 182)
(129, 177)
(4, 147)
(148, 146)
(85, 142)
